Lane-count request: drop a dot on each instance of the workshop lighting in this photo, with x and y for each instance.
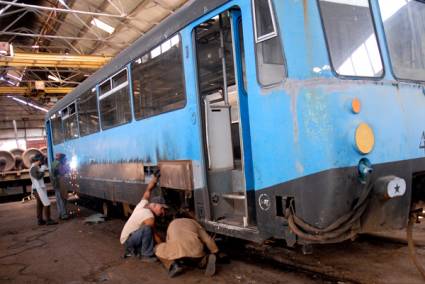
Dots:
(14, 77)
(51, 77)
(103, 26)
(28, 104)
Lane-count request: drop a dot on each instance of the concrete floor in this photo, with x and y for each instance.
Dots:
(75, 252)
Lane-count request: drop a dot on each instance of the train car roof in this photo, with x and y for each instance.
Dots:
(174, 23)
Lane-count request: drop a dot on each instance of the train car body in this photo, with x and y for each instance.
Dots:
(280, 119)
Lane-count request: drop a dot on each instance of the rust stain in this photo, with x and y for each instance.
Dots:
(307, 31)
(305, 10)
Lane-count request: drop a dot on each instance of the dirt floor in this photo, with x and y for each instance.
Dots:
(76, 252)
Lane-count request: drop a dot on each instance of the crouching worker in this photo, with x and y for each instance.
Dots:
(185, 244)
(139, 233)
(40, 191)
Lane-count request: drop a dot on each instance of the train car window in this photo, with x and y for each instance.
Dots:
(114, 105)
(88, 116)
(158, 80)
(105, 87)
(351, 38)
(120, 78)
(209, 55)
(404, 24)
(269, 51)
(70, 122)
(56, 125)
(265, 25)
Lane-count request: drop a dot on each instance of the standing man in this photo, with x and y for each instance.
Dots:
(40, 191)
(59, 170)
(186, 242)
(139, 232)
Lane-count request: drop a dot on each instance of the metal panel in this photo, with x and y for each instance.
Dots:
(176, 174)
(219, 137)
(116, 171)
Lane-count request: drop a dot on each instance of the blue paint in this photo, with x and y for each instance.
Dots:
(300, 127)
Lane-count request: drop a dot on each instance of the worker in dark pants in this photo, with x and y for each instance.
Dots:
(139, 233)
(59, 170)
(40, 191)
(140, 242)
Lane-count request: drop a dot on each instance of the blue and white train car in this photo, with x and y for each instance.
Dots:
(296, 120)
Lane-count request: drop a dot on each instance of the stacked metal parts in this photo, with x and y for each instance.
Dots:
(18, 159)
(7, 161)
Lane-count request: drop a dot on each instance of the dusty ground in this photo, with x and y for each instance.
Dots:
(75, 252)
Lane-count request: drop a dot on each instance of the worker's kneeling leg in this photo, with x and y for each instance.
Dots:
(147, 246)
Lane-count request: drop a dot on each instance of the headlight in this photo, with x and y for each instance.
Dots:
(364, 138)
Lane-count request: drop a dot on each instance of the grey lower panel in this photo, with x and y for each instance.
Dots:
(117, 191)
(320, 199)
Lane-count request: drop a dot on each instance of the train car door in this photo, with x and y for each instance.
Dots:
(219, 52)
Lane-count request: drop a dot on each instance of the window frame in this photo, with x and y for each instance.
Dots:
(51, 118)
(94, 91)
(109, 93)
(269, 35)
(279, 36)
(183, 78)
(115, 89)
(67, 116)
(328, 51)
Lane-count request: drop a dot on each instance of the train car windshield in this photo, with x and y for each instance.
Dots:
(351, 38)
(404, 24)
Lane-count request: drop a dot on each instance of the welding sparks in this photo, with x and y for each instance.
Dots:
(73, 164)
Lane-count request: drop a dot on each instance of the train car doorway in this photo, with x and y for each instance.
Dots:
(219, 51)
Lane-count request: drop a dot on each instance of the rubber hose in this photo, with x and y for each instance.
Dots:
(341, 220)
(411, 246)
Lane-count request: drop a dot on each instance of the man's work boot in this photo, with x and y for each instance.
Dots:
(41, 222)
(128, 253)
(210, 270)
(175, 270)
(148, 259)
(64, 217)
(51, 222)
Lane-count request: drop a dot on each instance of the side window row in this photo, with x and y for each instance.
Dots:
(157, 85)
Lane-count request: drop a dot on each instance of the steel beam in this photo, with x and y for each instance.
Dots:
(27, 91)
(36, 7)
(54, 60)
(50, 36)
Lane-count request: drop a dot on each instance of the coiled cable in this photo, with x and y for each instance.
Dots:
(343, 228)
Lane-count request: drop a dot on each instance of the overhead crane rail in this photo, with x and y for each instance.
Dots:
(28, 91)
(54, 60)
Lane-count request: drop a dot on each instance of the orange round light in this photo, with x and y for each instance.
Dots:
(364, 138)
(356, 105)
